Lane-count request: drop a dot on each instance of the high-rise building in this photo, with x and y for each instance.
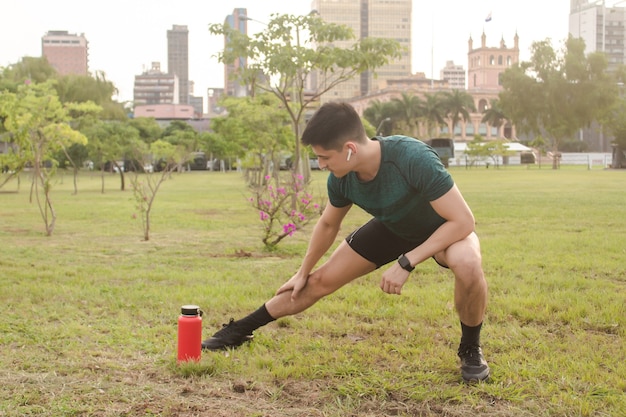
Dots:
(602, 28)
(155, 87)
(454, 75)
(390, 19)
(67, 53)
(239, 21)
(178, 59)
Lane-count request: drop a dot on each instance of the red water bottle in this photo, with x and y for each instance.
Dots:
(190, 333)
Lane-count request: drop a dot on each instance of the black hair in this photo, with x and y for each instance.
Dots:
(333, 125)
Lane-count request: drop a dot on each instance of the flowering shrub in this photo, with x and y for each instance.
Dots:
(283, 208)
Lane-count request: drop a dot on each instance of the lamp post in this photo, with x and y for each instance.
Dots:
(380, 125)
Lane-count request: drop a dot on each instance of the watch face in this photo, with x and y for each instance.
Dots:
(405, 263)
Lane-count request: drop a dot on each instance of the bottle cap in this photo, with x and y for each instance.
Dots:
(190, 310)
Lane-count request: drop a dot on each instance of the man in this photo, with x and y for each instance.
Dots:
(418, 213)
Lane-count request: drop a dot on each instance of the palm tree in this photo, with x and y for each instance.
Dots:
(494, 114)
(377, 112)
(433, 112)
(458, 104)
(408, 109)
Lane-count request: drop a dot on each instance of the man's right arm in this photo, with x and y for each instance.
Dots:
(324, 234)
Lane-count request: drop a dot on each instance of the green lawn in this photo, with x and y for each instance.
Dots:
(89, 317)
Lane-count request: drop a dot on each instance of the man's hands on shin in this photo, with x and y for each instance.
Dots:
(295, 284)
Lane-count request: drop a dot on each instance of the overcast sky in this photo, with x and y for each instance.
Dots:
(126, 36)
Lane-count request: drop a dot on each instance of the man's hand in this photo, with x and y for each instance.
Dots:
(295, 284)
(393, 279)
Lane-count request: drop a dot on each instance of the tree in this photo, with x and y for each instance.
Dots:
(39, 123)
(458, 104)
(96, 89)
(28, 70)
(261, 130)
(108, 142)
(408, 109)
(82, 115)
(380, 114)
(291, 48)
(494, 115)
(146, 186)
(433, 112)
(557, 93)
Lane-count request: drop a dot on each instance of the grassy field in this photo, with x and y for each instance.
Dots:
(88, 326)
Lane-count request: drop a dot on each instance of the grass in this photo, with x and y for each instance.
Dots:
(89, 320)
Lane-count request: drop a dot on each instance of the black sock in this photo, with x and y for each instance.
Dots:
(470, 335)
(255, 320)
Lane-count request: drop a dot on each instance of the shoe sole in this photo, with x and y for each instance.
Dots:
(226, 347)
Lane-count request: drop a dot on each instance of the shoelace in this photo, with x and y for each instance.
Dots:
(227, 327)
(470, 354)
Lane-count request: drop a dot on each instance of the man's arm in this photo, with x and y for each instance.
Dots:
(459, 224)
(323, 236)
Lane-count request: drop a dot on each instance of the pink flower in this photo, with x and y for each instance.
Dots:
(289, 229)
(264, 216)
(281, 190)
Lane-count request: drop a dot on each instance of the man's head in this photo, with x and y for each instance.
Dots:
(332, 126)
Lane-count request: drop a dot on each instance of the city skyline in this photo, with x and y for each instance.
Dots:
(127, 37)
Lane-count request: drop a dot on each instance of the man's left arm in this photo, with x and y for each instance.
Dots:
(458, 225)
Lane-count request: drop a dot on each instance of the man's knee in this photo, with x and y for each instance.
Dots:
(319, 284)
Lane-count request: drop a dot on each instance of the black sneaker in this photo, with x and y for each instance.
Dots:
(229, 337)
(474, 367)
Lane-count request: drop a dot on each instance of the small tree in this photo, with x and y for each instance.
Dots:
(145, 186)
(39, 122)
(290, 50)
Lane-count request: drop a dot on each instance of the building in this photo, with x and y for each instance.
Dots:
(156, 87)
(454, 75)
(67, 53)
(178, 59)
(602, 28)
(165, 111)
(239, 21)
(486, 64)
(390, 19)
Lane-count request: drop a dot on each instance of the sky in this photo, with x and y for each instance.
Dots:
(126, 36)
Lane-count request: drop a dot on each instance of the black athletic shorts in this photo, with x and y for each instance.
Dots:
(379, 245)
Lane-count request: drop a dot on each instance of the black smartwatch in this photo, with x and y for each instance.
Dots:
(405, 264)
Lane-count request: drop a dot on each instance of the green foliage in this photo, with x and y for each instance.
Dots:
(557, 93)
(37, 124)
(282, 58)
(259, 128)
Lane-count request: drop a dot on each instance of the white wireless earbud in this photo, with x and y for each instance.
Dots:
(349, 154)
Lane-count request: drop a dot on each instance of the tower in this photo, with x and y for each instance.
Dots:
(67, 53)
(239, 21)
(178, 59)
(370, 18)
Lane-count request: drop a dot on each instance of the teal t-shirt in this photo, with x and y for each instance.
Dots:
(411, 175)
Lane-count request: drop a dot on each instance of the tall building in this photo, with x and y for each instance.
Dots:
(155, 87)
(390, 19)
(238, 20)
(178, 59)
(454, 75)
(602, 28)
(67, 53)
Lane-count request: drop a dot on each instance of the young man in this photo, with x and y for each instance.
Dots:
(418, 213)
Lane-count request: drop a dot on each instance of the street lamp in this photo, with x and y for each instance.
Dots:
(380, 125)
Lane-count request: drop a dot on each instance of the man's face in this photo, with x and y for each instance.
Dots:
(332, 160)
